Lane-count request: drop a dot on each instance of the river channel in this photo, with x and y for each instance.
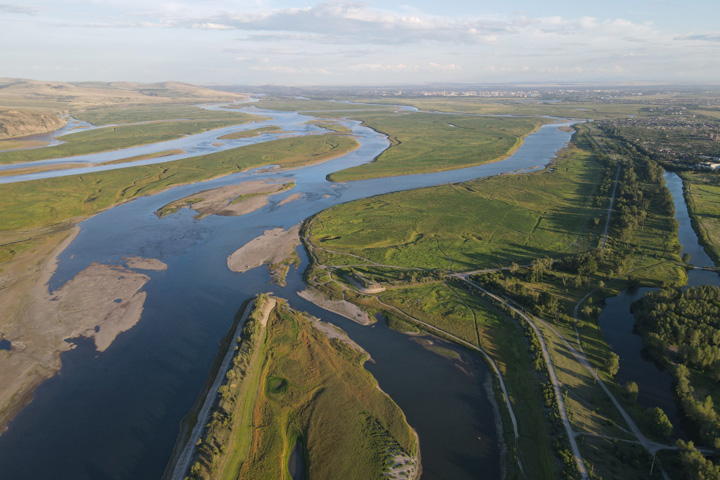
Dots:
(617, 323)
(116, 414)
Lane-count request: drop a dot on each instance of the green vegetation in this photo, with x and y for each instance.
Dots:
(480, 224)
(333, 127)
(157, 113)
(682, 331)
(251, 133)
(45, 202)
(702, 194)
(542, 231)
(299, 105)
(295, 383)
(515, 107)
(113, 138)
(424, 142)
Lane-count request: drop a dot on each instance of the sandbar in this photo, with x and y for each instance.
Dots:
(273, 246)
(341, 307)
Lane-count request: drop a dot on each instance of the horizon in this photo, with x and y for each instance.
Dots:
(345, 43)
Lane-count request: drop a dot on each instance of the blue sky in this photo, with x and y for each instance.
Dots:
(338, 42)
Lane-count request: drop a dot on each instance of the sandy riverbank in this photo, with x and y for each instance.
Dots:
(231, 200)
(273, 246)
(100, 302)
(341, 307)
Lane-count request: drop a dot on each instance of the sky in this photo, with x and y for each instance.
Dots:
(339, 42)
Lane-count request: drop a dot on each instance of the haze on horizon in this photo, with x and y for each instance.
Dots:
(339, 42)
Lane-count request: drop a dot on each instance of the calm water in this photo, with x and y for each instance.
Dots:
(116, 414)
(617, 323)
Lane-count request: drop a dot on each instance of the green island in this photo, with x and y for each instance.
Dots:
(295, 380)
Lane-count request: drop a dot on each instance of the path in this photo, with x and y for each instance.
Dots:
(612, 203)
(562, 410)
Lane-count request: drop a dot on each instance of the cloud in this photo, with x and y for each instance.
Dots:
(704, 37)
(20, 9)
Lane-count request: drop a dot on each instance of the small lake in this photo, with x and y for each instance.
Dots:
(116, 414)
(617, 323)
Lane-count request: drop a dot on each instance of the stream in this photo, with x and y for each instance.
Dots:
(617, 323)
(116, 414)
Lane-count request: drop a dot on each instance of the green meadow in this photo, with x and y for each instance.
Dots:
(702, 194)
(480, 224)
(422, 143)
(298, 384)
(157, 113)
(113, 138)
(50, 201)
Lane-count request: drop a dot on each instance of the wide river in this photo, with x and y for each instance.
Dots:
(116, 414)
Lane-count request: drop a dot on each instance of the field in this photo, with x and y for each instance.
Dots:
(301, 384)
(481, 224)
(702, 193)
(113, 138)
(50, 201)
(424, 142)
(520, 107)
(468, 316)
(494, 223)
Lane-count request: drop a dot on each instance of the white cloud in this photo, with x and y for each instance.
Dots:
(20, 9)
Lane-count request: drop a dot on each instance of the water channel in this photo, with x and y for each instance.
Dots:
(617, 323)
(116, 414)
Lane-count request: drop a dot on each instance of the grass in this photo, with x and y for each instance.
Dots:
(113, 138)
(251, 133)
(479, 224)
(333, 127)
(456, 311)
(515, 107)
(155, 113)
(316, 389)
(49, 201)
(491, 223)
(299, 105)
(423, 143)
(702, 193)
(149, 156)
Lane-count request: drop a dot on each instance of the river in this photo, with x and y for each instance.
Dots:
(617, 323)
(116, 414)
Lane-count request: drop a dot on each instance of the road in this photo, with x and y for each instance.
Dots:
(562, 410)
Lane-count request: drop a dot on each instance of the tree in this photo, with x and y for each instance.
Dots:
(632, 390)
(613, 363)
(659, 422)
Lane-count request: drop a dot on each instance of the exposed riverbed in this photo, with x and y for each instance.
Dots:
(115, 414)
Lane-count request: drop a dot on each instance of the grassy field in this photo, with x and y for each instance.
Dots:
(298, 384)
(481, 224)
(251, 133)
(469, 317)
(423, 142)
(702, 194)
(49, 201)
(557, 213)
(113, 138)
(156, 113)
(515, 107)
